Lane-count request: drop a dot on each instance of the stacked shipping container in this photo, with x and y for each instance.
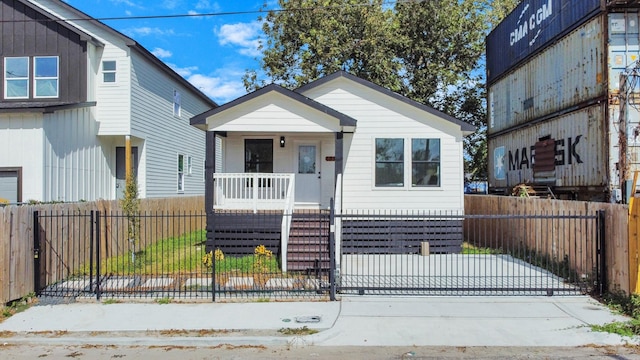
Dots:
(553, 72)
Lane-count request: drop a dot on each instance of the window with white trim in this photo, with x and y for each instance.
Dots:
(423, 160)
(180, 172)
(189, 165)
(109, 71)
(45, 76)
(177, 107)
(16, 78)
(389, 162)
(20, 82)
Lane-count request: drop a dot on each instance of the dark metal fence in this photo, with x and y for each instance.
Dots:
(161, 255)
(240, 255)
(448, 254)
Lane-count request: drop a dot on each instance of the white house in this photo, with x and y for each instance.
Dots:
(340, 138)
(77, 97)
(389, 151)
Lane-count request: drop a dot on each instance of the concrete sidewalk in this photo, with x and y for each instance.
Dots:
(353, 321)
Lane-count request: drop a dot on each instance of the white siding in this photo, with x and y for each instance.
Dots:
(21, 143)
(75, 160)
(165, 136)
(379, 116)
(274, 112)
(113, 108)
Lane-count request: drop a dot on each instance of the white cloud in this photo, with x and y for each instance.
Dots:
(170, 4)
(161, 53)
(126, 2)
(145, 31)
(185, 72)
(221, 89)
(244, 35)
(222, 86)
(207, 5)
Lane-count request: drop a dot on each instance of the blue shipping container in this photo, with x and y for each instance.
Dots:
(530, 27)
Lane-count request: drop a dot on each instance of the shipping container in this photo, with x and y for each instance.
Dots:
(533, 25)
(566, 115)
(563, 76)
(578, 155)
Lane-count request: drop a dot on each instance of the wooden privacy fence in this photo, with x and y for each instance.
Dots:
(552, 237)
(17, 235)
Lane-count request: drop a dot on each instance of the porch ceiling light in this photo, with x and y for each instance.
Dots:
(281, 141)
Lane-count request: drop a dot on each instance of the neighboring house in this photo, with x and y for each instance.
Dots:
(77, 98)
(340, 138)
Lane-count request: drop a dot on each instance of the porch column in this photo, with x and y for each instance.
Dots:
(338, 154)
(127, 157)
(209, 170)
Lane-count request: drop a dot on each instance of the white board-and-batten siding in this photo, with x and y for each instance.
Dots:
(21, 143)
(380, 116)
(76, 162)
(165, 135)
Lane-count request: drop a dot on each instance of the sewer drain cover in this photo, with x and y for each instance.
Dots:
(308, 319)
(286, 320)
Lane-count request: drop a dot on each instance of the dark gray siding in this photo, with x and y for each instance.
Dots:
(26, 32)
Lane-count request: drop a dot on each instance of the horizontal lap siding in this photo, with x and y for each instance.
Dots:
(400, 236)
(379, 116)
(165, 135)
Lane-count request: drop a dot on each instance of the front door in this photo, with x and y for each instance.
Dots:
(121, 168)
(307, 164)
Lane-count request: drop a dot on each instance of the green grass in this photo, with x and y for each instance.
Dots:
(624, 304)
(176, 255)
(469, 249)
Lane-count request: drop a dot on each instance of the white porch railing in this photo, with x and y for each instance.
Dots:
(252, 191)
(258, 191)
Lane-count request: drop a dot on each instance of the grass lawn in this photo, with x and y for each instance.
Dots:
(176, 255)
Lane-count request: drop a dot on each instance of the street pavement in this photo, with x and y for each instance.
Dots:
(555, 321)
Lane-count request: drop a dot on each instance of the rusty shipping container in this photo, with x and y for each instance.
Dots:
(554, 116)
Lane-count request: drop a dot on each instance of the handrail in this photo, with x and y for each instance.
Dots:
(286, 221)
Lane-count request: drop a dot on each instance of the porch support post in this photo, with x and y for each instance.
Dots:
(339, 154)
(209, 170)
(127, 156)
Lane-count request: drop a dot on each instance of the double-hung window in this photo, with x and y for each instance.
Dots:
(109, 71)
(425, 162)
(45, 76)
(21, 82)
(177, 104)
(393, 161)
(16, 78)
(258, 158)
(389, 162)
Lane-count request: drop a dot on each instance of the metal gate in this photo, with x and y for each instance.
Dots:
(166, 255)
(448, 254)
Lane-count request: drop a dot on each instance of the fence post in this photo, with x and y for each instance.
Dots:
(36, 253)
(332, 252)
(601, 253)
(97, 229)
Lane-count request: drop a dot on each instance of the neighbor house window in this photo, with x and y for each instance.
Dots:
(16, 78)
(389, 162)
(180, 172)
(425, 162)
(109, 71)
(176, 103)
(45, 76)
(258, 155)
(189, 165)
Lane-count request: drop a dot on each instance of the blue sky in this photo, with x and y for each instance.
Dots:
(211, 52)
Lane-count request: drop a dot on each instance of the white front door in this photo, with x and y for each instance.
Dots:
(307, 165)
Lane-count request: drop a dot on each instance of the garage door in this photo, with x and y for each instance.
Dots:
(9, 186)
